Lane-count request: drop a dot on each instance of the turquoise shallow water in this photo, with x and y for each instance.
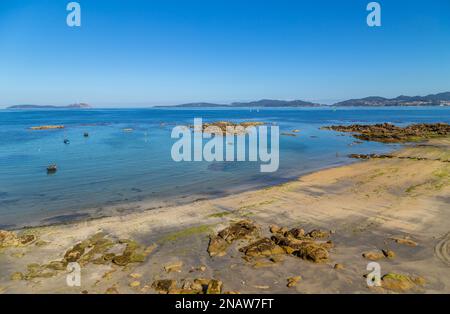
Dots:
(113, 167)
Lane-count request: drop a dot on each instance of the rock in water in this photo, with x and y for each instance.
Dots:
(389, 133)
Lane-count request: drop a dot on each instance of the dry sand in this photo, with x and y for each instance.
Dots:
(364, 204)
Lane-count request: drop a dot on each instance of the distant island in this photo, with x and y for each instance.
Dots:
(258, 103)
(72, 106)
(441, 99)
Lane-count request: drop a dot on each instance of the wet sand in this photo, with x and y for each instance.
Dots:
(365, 205)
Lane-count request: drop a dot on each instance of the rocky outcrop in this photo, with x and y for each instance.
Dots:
(304, 245)
(389, 133)
(219, 243)
(188, 286)
(96, 250)
(227, 127)
(263, 247)
(11, 239)
(401, 283)
(47, 127)
(370, 156)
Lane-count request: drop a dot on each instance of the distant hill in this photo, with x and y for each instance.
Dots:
(73, 106)
(194, 105)
(441, 99)
(276, 103)
(259, 103)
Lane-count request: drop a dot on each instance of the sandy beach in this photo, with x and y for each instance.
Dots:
(396, 209)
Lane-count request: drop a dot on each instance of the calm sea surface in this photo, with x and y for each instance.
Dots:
(112, 167)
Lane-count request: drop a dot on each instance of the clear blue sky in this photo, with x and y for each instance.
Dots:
(142, 53)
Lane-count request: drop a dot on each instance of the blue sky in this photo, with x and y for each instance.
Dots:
(142, 53)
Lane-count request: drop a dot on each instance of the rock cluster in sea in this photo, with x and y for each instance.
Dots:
(389, 133)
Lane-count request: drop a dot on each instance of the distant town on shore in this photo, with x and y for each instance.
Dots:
(440, 99)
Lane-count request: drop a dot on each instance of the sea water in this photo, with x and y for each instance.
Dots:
(111, 166)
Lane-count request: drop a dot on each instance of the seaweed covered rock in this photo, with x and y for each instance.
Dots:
(164, 285)
(310, 250)
(228, 127)
(219, 243)
(292, 281)
(262, 247)
(173, 267)
(188, 286)
(389, 253)
(39, 271)
(318, 234)
(373, 256)
(300, 234)
(404, 240)
(217, 246)
(11, 239)
(74, 254)
(214, 287)
(389, 133)
(133, 253)
(238, 230)
(313, 252)
(401, 283)
(95, 250)
(297, 233)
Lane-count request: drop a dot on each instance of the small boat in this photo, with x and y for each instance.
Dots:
(52, 168)
(86, 134)
(66, 141)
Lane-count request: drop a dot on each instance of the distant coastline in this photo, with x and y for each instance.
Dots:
(441, 99)
(432, 100)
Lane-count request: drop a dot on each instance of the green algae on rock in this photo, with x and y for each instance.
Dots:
(188, 286)
(11, 239)
(389, 133)
(401, 283)
(262, 247)
(95, 250)
(243, 229)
